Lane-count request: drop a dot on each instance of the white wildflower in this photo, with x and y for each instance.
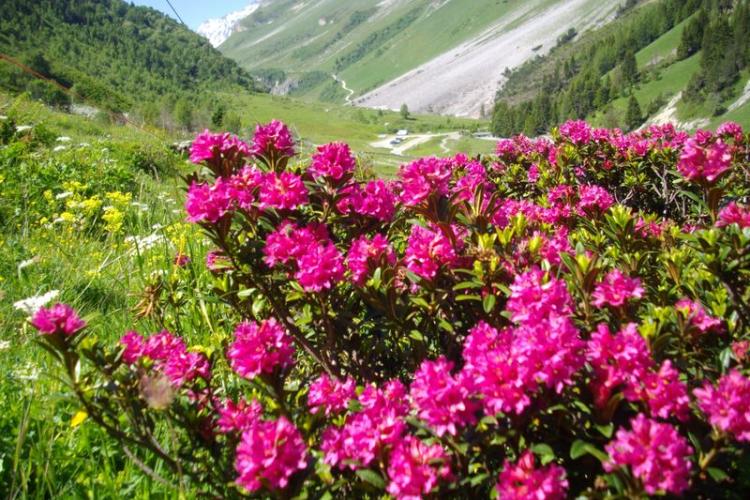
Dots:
(4, 344)
(63, 195)
(28, 262)
(31, 305)
(59, 148)
(23, 128)
(63, 138)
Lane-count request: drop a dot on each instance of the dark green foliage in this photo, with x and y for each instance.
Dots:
(634, 116)
(578, 78)
(692, 35)
(110, 52)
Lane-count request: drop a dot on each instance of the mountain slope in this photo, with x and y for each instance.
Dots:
(679, 61)
(218, 30)
(373, 44)
(111, 51)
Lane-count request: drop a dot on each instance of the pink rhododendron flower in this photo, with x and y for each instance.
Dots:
(216, 149)
(507, 367)
(727, 404)
(734, 214)
(333, 161)
(378, 424)
(288, 242)
(330, 394)
(282, 191)
(616, 289)
(577, 131)
(208, 203)
(60, 319)
(524, 481)
(272, 140)
(740, 349)
(415, 468)
(366, 254)
(664, 393)
(260, 348)
(181, 260)
(320, 268)
(696, 316)
(238, 416)
(474, 176)
(217, 261)
(427, 250)
(534, 296)
(374, 200)
(423, 178)
(702, 163)
(169, 354)
(441, 399)
(617, 360)
(269, 454)
(655, 453)
(133, 345)
(507, 149)
(533, 174)
(593, 199)
(730, 129)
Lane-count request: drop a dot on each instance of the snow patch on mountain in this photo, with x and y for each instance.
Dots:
(219, 29)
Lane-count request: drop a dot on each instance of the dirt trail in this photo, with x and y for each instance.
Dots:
(348, 98)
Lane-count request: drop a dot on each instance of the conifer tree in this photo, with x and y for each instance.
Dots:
(634, 116)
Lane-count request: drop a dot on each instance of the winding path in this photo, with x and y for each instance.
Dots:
(348, 98)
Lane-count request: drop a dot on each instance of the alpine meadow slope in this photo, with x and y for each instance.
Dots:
(386, 51)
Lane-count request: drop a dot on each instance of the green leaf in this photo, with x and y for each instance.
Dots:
(371, 477)
(717, 475)
(420, 302)
(581, 448)
(544, 451)
(489, 303)
(606, 430)
(416, 335)
(461, 298)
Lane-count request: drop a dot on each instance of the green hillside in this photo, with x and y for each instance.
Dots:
(364, 42)
(668, 60)
(110, 52)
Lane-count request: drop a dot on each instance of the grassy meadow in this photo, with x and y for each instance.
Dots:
(91, 213)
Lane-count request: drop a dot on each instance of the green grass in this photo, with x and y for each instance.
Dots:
(666, 82)
(663, 49)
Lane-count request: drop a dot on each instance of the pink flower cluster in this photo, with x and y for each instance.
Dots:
(576, 131)
(260, 348)
(375, 200)
(236, 417)
(415, 468)
(319, 264)
(378, 425)
(443, 400)
(617, 289)
(593, 199)
(209, 203)
(728, 404)
(624, 361)
(59, 319)
(216, 149)
(696, 316)
(507, 367)
(330, 394)
(367, 254)
(333, 161)
(269, 454)
(524, 481)
(169, 354)
(704, 163)
(430, 249)
(424, 178)
(734, 214)
(655, 453)
(272, 140)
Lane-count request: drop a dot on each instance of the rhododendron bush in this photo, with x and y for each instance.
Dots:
(567, 317)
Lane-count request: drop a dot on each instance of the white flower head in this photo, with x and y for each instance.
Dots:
(31, 305)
